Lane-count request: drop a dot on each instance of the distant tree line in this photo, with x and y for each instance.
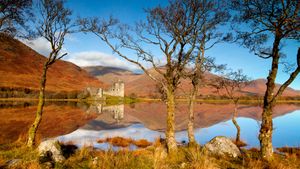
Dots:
(19, 92)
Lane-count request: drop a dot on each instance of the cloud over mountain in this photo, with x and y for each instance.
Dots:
(93, 58)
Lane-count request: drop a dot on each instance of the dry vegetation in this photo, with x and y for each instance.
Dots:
(21, 68)
(239, 143)
(151, 157)
(290, 150)
(125, 142)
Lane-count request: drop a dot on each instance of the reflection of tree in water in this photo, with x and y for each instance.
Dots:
(28, 103)
(238, 128)
(232, 84)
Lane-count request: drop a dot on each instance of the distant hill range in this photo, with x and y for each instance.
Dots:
(141, 85)
(21, 68)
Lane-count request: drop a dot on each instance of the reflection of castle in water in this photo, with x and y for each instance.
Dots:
(117, 111)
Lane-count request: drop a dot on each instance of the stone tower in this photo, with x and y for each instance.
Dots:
(117, 89)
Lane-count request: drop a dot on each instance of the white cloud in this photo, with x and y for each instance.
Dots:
(95, 58)
(41, 45)
(87, 58)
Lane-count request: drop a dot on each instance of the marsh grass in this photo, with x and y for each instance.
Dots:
(27, 157)
(290, 151)
(239, 143)
(142, 143)
(125, 142)
(154, 156)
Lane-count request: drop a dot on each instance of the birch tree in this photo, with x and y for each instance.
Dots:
(53, 24)
(213, 15)
(173, 30)
(14, 15)
(231, 85)
(263, 21)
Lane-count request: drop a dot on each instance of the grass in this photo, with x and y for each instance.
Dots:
(125, 142)
(153, 156)
(290, 150)
(239, 143)
(28, 157)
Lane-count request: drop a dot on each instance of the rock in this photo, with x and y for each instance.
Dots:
(50, 150)
(222, 146)
(12, 163)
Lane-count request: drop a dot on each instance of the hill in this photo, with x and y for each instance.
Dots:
(111, 74)
(143, 86)
(21, 67)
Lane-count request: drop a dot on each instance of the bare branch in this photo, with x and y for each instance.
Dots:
(293, 75)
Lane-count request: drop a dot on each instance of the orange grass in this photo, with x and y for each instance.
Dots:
(125, 142)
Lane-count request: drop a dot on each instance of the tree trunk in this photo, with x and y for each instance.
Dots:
(191, 136)
(265, 135)
(238, 129)
(33, 129)
(170, 131)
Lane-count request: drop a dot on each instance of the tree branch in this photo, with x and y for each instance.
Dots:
(290, 79)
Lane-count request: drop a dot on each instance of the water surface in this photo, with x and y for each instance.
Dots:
(84, 124)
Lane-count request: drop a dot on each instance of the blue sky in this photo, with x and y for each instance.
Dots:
(86, 49)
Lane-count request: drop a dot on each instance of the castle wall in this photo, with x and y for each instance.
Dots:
(96, 93)
(117, 89)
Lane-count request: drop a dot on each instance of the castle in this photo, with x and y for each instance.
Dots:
(117, 89)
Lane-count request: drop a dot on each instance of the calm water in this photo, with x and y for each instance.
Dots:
(84, 124)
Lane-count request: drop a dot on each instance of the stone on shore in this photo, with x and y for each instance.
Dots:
(50, 150)
(222, 146)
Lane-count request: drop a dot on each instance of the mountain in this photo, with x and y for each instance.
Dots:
(21, 67)
(111, 74)
(141, 85)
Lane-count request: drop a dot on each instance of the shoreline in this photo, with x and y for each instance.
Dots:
(136, 100)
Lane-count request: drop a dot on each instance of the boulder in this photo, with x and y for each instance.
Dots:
(50, 150)
(222, 146)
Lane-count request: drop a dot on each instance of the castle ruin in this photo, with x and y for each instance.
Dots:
(96, 93)
(117, 89)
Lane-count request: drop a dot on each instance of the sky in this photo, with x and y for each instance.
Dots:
(88, 50)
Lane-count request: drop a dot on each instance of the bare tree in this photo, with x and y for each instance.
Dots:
(14, 15)
(264, 20)
(54, 24)
(172, 30)
(213, 15)
(230, 85)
